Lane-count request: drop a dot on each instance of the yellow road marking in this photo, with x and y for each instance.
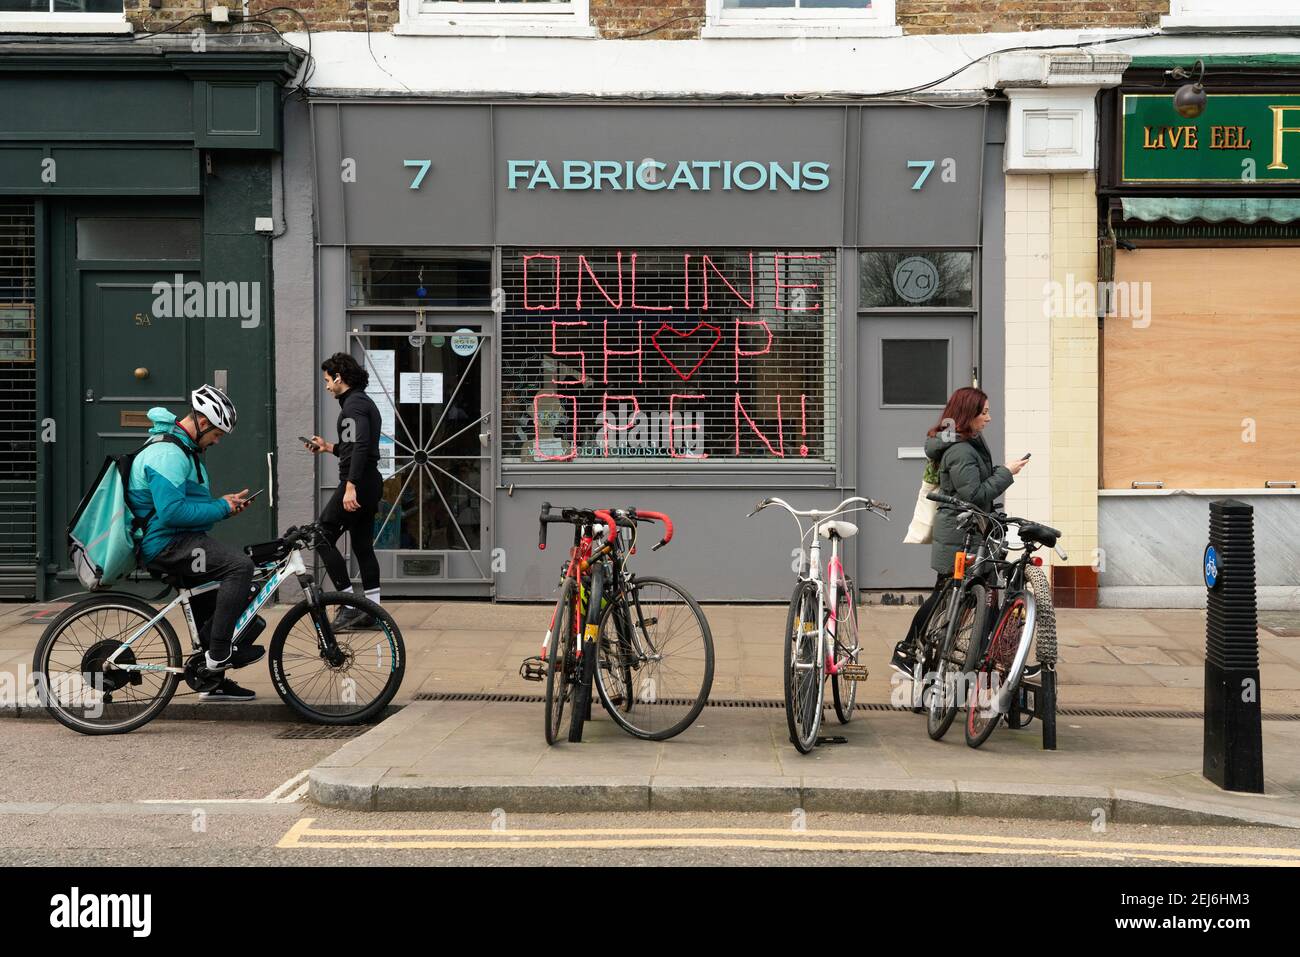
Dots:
(303, 836)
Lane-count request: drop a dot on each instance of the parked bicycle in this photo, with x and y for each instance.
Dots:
(1018, 597)
(110, 663)
(642, 641)
(822, 625)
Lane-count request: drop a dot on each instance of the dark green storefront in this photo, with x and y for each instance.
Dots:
(125, 165)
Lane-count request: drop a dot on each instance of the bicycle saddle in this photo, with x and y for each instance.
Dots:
(1044, 535)
(838, 529)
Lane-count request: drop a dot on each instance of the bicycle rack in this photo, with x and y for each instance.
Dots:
(1037, 699)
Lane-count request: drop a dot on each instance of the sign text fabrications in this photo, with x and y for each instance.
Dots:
(653, 175)
(1240, 138)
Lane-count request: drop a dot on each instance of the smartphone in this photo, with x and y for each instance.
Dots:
(254, 495)
(306, 441)
(1025, 456)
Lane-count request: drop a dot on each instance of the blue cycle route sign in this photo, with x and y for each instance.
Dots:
(1212, 568)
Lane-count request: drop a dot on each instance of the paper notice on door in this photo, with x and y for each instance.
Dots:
(382, 364)
(421, 387)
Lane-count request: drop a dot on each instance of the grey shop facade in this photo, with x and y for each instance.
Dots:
(680, 306)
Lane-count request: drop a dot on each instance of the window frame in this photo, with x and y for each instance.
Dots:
(722, 22)
(1218, 14)
(69, 21)
(569, 18)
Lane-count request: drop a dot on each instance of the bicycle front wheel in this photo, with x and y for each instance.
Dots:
(350, 683)
(654, 666)
(76, 683)
(950, 684)
(804, 668)
(559, 661)
(843, 691)
(996, 676)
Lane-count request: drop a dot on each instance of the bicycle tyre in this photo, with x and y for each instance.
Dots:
(953, 662)
(126, 604)
(803, 712)
(630, 717)
(559, 676)
(388, 671)
(844, 693)
(1008, 635)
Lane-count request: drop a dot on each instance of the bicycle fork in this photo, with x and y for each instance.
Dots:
(587, 655)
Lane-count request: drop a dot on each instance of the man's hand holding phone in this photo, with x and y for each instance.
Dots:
(238, 501)
(316, 445)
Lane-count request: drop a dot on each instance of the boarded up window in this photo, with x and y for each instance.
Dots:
(1202, 376)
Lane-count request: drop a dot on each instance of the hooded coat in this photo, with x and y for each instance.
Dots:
(966, 470)
(170, 488)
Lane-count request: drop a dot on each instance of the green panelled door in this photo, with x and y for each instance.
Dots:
(133, 360)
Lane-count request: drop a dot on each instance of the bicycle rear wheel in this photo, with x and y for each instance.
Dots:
(995, 676)
(803, 669)
(352, 685)
(79, 689)
(559, 662)
(654, 667)
(950, 686)
(843, 691)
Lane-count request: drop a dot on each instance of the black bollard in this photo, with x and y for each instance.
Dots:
(1234, 749)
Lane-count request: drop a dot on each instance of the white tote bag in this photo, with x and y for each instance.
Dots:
(921, 531)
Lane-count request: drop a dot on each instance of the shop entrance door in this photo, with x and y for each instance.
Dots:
(431, 378)
(909, 367)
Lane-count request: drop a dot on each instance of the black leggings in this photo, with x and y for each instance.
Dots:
(360, 525)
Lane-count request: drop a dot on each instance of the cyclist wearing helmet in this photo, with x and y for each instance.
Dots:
(168, 493)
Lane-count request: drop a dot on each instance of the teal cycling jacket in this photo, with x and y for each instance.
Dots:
(164, 479)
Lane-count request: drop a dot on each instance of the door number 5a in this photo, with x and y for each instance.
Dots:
(949, 174)
(423, 167)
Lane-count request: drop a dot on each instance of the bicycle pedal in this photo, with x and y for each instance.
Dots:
(854, 672)
(533, 669)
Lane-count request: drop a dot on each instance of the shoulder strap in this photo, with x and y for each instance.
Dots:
(142, 523)
(192, 453)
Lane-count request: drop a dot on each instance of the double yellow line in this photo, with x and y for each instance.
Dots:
(304, 836)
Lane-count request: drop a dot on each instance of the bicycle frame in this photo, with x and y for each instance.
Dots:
(291, 565)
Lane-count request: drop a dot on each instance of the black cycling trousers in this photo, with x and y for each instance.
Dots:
(195, 558)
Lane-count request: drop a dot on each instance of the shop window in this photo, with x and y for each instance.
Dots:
(496, 17)
(1199, 353)
(916, 279)
(138, 239)
(406, 277)
(671, 356)
(750, 18)
(914, 372)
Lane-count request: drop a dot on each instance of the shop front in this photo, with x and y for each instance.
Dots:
(1202, 334)
(683, 307)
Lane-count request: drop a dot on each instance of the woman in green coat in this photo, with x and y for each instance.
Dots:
(959, 455)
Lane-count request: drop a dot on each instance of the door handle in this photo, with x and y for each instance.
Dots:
(270, 482)
(90, 395)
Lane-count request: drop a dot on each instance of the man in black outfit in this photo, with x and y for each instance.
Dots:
(353, 505)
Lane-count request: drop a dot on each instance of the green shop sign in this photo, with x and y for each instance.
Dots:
(1242, 138)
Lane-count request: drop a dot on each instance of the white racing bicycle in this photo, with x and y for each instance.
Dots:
(822, 626)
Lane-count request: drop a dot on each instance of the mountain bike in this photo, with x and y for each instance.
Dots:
(821, 631)
(110, 663)
(642, 643)
(1015, 586)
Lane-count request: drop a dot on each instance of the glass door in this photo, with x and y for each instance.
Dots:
(430, 377)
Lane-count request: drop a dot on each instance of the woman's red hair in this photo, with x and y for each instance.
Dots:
(964, 406)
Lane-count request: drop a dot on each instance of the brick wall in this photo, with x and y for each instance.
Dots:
(681, 19)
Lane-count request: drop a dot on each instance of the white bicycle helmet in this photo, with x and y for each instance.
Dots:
(211, 402)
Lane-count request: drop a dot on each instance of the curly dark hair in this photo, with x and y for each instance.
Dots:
(344, 366)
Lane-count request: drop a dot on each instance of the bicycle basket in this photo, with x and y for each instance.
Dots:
(267, 553)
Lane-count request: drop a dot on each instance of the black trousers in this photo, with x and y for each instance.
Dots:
(360, 525)
(923, 612)
(196, 558)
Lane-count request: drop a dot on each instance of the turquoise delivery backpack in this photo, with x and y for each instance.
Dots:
(104, 534)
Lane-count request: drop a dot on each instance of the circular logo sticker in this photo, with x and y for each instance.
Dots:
(916, 279)
(464, 342)
(1211, 566)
